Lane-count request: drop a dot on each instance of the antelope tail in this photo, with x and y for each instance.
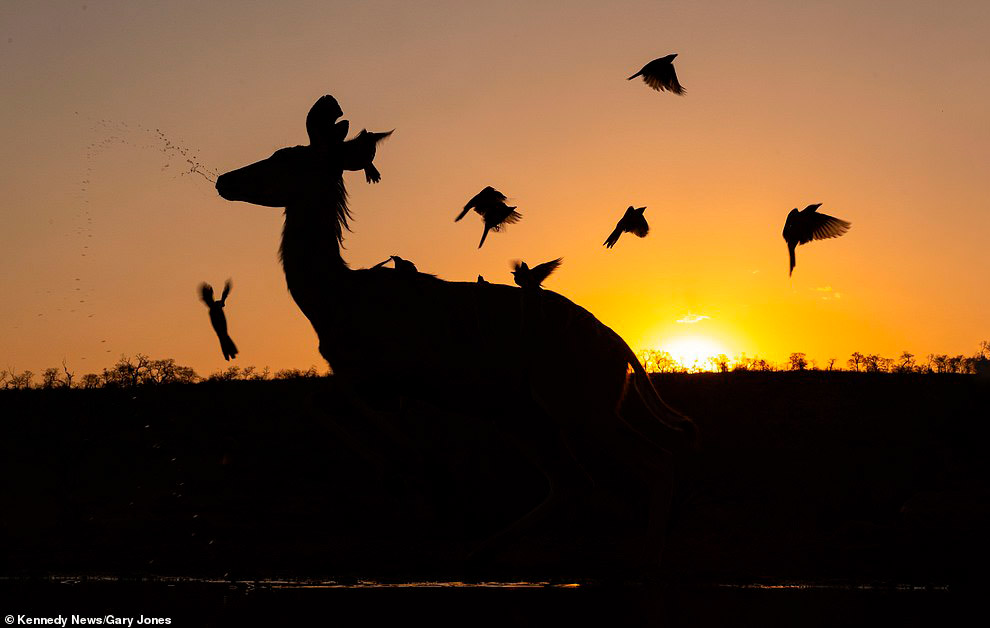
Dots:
(679, 428)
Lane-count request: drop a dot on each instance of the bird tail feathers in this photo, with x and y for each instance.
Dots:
(228, 348)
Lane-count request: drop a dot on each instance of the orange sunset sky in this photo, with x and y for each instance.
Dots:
(877, 110)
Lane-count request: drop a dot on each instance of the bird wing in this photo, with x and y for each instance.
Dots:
(614, 236)
(376, 138)
(481, 201)
(660, 75)
(620, 227)
(226, 291)
(506, 216)
(206, 292)
(542, 271)
(823, 226)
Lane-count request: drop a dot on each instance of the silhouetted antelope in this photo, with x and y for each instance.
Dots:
(659, 74)
(218, 319)
(442, 324)
(631, 222)
(806, 225)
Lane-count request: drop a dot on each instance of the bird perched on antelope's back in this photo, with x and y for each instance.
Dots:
(659, 74)
(526, 277)
(806, 225)
(218, 319)
(490, 205)
(631, 222)
(359, 153)
(401, 265)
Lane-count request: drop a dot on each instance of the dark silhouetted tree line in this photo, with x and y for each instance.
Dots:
(656, 361)
(140, 370)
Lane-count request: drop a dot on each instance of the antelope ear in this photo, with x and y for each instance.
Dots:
(320, 120)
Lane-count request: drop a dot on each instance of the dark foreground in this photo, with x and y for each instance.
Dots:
(654, 605)
(835, 479)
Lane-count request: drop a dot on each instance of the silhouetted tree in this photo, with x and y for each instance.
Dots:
(90, 380)
(831, 364)
(166, 371)
(719, 363)
(906, 362)
(248, 373)
(759, 364)
(855, 361)
(229, 374)
(939, 362)
(655, 361)
(297, 373)
(142, 370)
(19, 380)
(50, 378)
(798, 361)
(253, 374)
(742, 363)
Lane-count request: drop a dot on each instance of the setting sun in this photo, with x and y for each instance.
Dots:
(692, 352)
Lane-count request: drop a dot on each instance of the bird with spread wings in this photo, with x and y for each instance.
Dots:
(806, 225)
(526, 277)
(218, 319)
(631, 222)
(659, 74)
(490, 205)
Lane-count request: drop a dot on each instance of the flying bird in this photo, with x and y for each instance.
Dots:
(218, 319)
(631, 222)
(360, 152)
(659, 74)
(806, 225)
(497, 217)
(526, 277)
(485, 198)
(490, 205)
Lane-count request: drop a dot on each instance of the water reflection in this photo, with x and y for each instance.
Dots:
(274, 601)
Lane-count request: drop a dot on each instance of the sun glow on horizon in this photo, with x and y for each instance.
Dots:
(692, 352)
